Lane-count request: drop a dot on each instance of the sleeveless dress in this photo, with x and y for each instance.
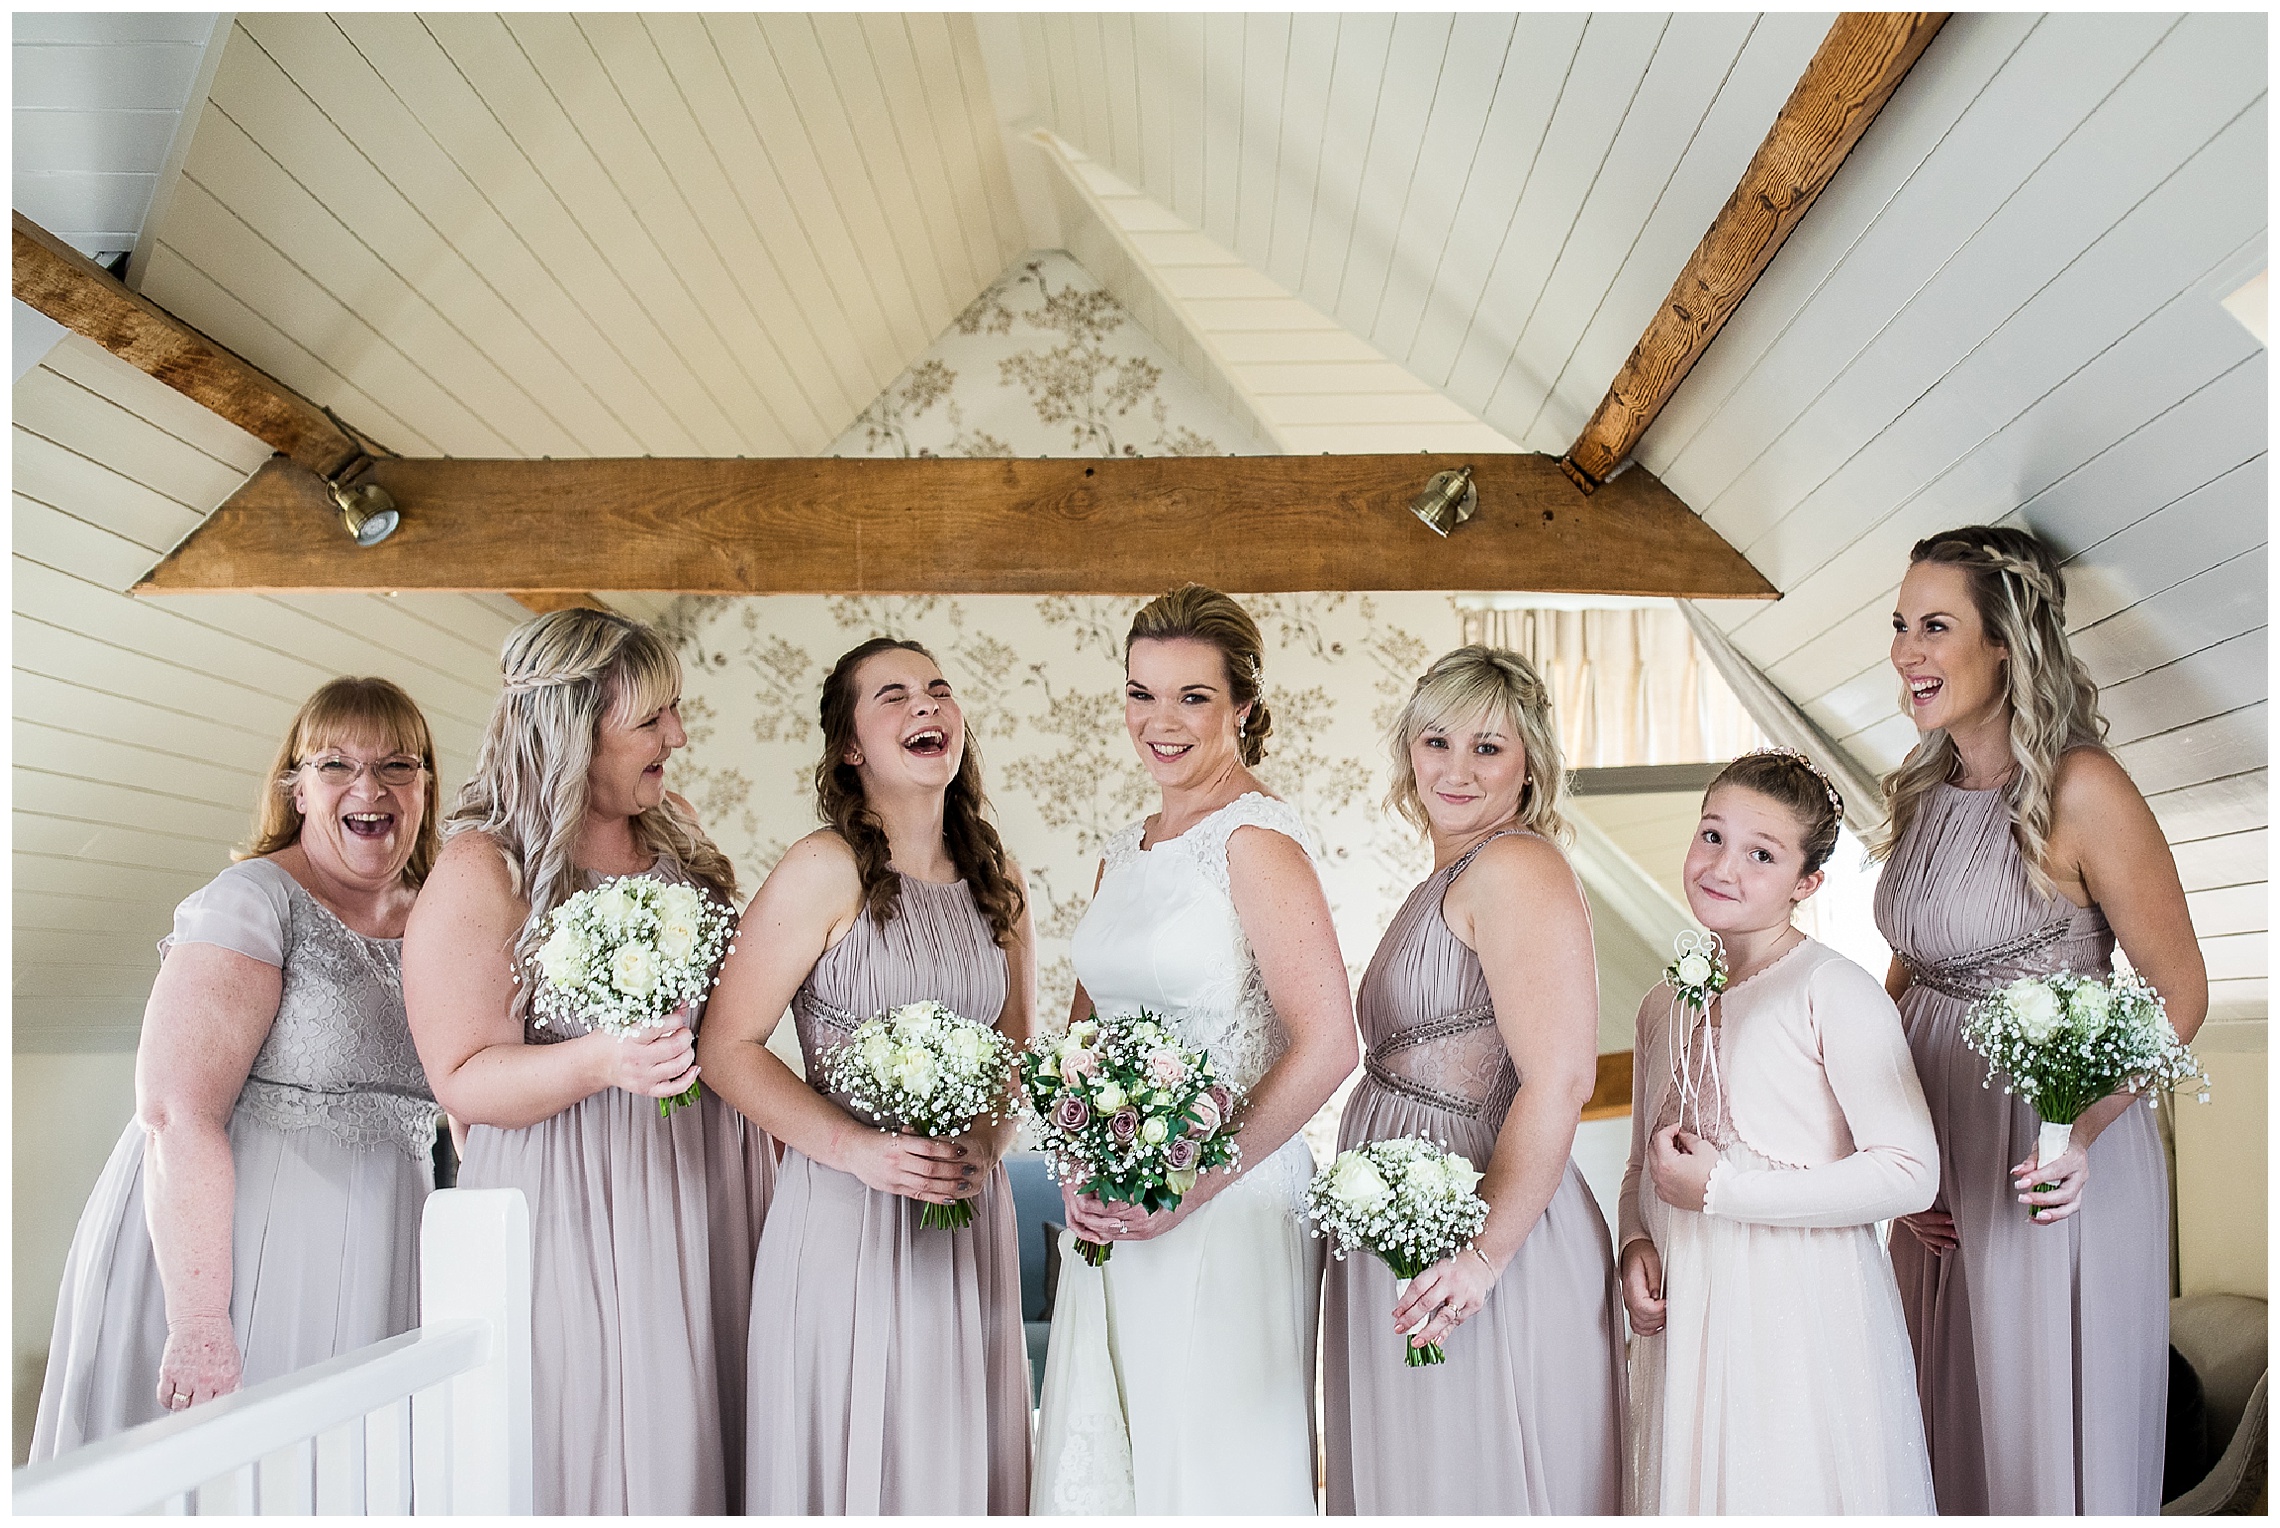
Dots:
(889, 1370)
(1180, 1374)
(1781, 1380)
(641, 1238)
(2042, 1351)
(331, 1139)
(1526, 1415)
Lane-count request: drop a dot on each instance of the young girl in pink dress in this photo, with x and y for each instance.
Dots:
(1770, 1130)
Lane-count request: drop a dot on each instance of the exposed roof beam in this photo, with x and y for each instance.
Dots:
(77, 293)
(935, 525)
(1853, 73)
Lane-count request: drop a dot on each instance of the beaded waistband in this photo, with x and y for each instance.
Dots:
(1971, 977)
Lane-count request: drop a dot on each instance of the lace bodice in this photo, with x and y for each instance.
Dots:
(1162, 934)
(339, 1054)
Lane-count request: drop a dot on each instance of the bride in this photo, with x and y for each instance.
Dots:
(1180, 1377)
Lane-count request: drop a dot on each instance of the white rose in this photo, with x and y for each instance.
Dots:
(1694, 970)
(680, 902)
(561, 956)
(1459, 1174)
(2093, 1008)
(1355, 1183)
(612, 907)
(1153, 1130)
(1108, 1097)
(677, 938)
(916, 1072)
(2036, 1008)
(877, 1053)
(633, 971)
(966, 1045)
(1424, 1178)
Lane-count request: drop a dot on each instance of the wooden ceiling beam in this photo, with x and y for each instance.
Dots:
(807, 525)
(83, 297)
(1853, 73)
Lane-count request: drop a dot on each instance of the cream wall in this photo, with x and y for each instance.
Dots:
(69, 1110)
(2223, 1169)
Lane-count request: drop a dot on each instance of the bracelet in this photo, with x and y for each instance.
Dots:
(1484, 1262)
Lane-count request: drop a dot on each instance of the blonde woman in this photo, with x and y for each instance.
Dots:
(642, 1229)
(261, 1213)
(1481, 1013)
(1180, 1376)
(2018, 846)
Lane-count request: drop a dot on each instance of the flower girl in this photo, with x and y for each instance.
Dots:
(1775, 1118)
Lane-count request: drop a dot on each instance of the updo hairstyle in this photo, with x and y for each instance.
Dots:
(1196, 614)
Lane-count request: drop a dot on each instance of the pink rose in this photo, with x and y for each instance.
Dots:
(1181, 1154)
(1222, 1099)
(1166, 1067)
(1078, 1065)
(1207, 1116)
(1070, 1113)
(1124, 1124)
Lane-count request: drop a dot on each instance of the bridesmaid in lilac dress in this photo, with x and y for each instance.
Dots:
(2019, 846)
(1481, 1013)
(888, 1369)
(642, 1228)
(262, 1211)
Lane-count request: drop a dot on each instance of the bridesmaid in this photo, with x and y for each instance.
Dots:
(888, 1369)
(261, 1213)
(642, 1229)
(1481, 1011)
(2018, 846)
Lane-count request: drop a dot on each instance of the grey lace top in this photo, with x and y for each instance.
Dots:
(339, 1055)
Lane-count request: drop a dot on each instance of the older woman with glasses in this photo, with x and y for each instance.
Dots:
(261, 1212)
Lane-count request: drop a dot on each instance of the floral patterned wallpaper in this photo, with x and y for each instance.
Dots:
(1046, 363)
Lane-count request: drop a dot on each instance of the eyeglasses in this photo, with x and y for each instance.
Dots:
(342, 772)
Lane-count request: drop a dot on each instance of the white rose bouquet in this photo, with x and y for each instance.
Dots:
(1128, 1113)
(2065, 1041)
(927, 1069)
(627, 955)
(1407, 1200)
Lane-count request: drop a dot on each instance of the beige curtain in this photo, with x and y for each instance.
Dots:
(1628, 686)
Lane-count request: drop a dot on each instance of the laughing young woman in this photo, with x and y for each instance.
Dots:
(262, 1211)
(889, 1375)
(2018, 846)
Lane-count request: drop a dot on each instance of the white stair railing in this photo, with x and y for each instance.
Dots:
(434, 1421)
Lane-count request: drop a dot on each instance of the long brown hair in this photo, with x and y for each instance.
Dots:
(1195, 613)
(974, 845)
(342, 709)
(563, 674)
(2020, 595)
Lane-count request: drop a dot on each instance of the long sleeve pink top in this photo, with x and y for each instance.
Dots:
(1818, 1079)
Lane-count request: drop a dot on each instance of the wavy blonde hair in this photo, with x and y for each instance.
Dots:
(1195, 613)
(564, 673)
(341, 711)
(2020, 595)
(1491, 682)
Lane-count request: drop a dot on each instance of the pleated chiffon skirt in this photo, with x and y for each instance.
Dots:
(889, 1374)
(1526, 1415)
(642, 1236)
(325, 1260)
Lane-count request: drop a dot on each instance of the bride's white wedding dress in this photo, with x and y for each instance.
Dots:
(1180, 1377)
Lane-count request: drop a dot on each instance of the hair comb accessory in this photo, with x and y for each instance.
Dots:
(1780, 750)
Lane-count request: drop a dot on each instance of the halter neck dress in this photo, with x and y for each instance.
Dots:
(889, 1373)
(2041, 1350)
(642, 1233)
(1526, 1415)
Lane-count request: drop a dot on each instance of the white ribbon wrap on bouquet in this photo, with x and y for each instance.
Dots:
(1401, 1288)
(2053, 1142)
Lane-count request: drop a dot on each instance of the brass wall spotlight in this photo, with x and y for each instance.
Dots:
(367, 510)
(1448, 501)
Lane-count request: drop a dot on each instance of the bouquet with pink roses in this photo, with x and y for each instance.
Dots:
(1127, 1113)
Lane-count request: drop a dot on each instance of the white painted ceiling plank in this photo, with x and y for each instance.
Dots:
(2230, 860)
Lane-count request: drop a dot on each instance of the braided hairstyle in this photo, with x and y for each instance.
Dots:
(1196, 614)
(973, 843)
(564, 673)
(2020, 596)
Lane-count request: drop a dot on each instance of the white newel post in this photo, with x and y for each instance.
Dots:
(473, 1431)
